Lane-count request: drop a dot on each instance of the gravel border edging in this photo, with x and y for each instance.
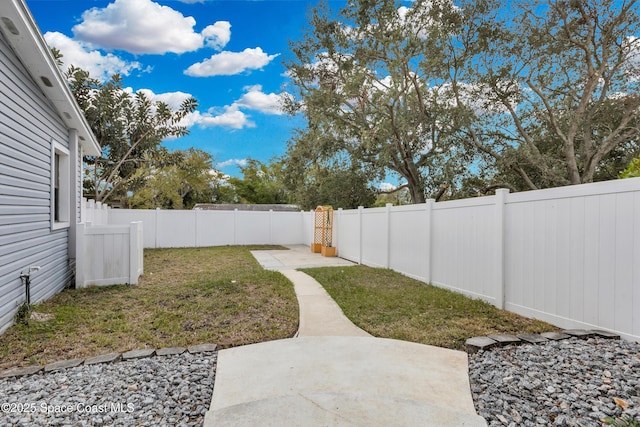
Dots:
(475, 344)
(106, 358)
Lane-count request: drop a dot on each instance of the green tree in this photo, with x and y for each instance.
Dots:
(632, 170)
(368, 82)
(176, 180)
(261, 183)
(548, 92)
(128, 127)
(316, 175)
(334, 185)
(396, 198)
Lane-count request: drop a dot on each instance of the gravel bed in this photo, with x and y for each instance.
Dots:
(156, 391)
(570, 382)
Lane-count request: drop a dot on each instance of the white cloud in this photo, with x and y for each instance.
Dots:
(217, 35)
(229, 117)
(172, 99)
(386, 186)
(255, 99)
(232, 162)
(230, 63)
(99, 65)
(480, 99)
(143, 26)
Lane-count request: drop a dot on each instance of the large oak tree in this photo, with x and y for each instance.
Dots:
(367, 81)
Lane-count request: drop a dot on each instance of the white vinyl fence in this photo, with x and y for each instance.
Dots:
(569, 255)
(200, 228)
(94, 212)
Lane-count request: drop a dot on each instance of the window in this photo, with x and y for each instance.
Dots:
(60, 187)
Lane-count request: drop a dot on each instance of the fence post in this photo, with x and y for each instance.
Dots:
(195, 228)
(97, 214)
(81, 257)
(360, 211)
(336, 230)
(313, 229)
(501, 195)
(271, 226)
(83, 209)
(91, 210)
(155, 234)
(429, 237)
(303, 227)
(235, 226)
(134, 248)
(388, 236)
(140, 248)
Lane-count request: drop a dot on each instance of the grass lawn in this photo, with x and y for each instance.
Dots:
(389, 305)
(188, 296)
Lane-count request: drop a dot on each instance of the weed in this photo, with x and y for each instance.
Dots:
(623, 421)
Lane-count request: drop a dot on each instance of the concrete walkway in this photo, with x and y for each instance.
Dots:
(334, 373)
(320, 316)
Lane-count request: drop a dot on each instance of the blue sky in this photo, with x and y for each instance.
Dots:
(227, 54)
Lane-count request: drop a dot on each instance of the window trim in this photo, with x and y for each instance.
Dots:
(63, 174)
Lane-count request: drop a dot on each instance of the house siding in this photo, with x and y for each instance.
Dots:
(28, 125)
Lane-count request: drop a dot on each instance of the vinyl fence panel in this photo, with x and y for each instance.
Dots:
(573, 253)
(146, 216)
(287, 228)
(348, 229)
(374, 237)
(465, 246)
(215, 228)
(409, 242)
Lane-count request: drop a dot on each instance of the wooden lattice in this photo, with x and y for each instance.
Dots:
(322, 228)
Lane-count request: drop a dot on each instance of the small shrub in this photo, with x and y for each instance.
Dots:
(23, 314)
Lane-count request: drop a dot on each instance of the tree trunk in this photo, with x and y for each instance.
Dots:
(416, 191)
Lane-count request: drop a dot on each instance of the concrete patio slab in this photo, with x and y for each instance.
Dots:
(316, 381)
(297, 256)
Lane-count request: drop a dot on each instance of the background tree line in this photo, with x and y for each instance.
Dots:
(451, 100)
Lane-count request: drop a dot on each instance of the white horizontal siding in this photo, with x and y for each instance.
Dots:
(28, 124)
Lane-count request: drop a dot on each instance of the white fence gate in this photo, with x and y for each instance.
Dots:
(109, 254)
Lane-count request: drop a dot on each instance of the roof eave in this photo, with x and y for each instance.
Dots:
(24, 36)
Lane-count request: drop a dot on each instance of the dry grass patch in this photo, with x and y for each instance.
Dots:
(187, 296)
(389, 305)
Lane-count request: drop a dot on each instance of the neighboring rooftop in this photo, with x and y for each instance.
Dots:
(247, 207)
